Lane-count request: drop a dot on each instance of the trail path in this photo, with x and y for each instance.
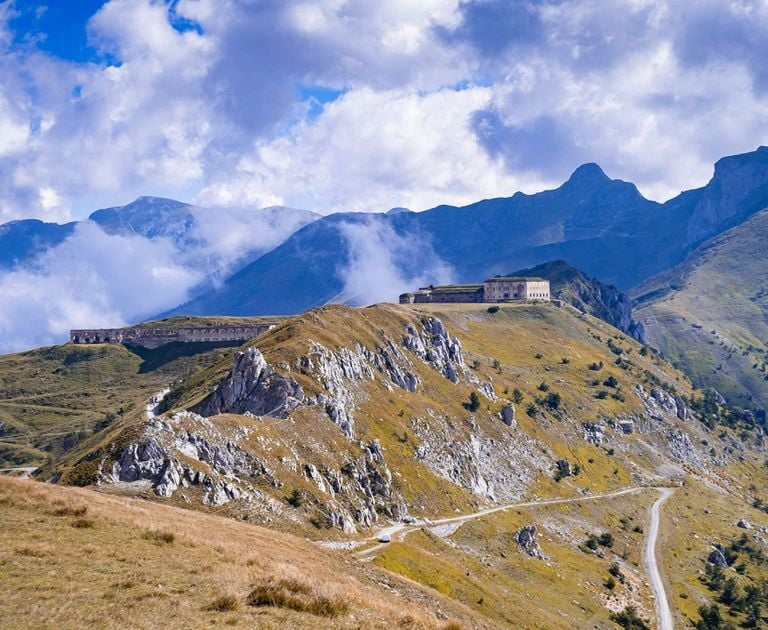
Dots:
(663, 613)
(400, 530)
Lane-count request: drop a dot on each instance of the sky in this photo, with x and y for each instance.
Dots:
(363, 105)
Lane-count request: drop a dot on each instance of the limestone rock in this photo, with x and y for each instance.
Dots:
(508, 415)
(717, 557)
(594, 433)
(744, 524)
(253, 386)
(526, 541)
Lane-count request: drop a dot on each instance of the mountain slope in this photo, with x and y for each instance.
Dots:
(342, 421)
(708, 315)
(587, 294)
(601, 226)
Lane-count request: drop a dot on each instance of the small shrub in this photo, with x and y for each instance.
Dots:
(70, 510)
(565, 360)
(493, 309)
(637, 529)
(475, 364)
(474, 402)
(601, 395)
(517, 396)
(629, 619)
(611, 381)
(538, 355)
(224, 603)
(83, 523)
(610, 584)
(591, 542)
(543, 387)
(552, 401)
(295, 595)
(605, 539)
(296, 498)
(596, 366)
(159, 536)
(532, 410)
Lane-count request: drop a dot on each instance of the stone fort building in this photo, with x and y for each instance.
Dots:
(156, 336)
(499, 289)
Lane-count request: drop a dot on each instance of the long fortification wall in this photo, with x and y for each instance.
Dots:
(154, 337)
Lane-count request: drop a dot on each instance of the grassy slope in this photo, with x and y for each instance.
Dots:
(98, 561)
(52, 398)
(709, 314)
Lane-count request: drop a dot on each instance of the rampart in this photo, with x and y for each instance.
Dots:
(156, 336)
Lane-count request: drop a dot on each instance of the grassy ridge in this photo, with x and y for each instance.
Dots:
(53, 398)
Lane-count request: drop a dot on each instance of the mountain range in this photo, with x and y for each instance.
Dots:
(602, 226)
(610, 239)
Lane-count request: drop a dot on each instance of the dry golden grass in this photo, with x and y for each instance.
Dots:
(126, 570)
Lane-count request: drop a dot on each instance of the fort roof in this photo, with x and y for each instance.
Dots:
(515, 279)
(454, 288)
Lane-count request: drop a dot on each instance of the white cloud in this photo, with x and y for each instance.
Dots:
(381, 263)
(653, 90)
(92, 279)
(374, 150)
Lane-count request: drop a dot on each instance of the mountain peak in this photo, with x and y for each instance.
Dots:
(589, 173)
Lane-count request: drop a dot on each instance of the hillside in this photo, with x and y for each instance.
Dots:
(587, 294)
(343, 423)
(52, 398)
(602, 226)
(708, 315)
(110, 562)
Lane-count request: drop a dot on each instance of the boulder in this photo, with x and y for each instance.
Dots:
(717, 557)
(508, 415)
(681, 409)
(744, 524)
(526, 541)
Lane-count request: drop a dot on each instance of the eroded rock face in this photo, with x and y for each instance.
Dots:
(253, 387)
(155, 458)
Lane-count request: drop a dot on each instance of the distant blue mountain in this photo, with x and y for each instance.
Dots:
(602, 226)
(21, 241)
(216, 237)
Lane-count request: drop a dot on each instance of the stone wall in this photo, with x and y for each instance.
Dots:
(156, 336)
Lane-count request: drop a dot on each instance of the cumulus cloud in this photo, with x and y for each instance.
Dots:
(382, 263)
(442, 100)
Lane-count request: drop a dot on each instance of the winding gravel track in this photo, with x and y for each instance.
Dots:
(400, 530)
(663, 612)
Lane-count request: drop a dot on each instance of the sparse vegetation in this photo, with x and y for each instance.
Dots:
(295, 595)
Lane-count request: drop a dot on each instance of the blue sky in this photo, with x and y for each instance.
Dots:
(362, 105)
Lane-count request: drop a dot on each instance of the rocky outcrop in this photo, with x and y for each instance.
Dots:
(508, 415)
(526, 541)
(253, 386)
(158, 455)
(434, 345)
(337, 370)
(594, 432)
(658, 402)
(717, 556)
